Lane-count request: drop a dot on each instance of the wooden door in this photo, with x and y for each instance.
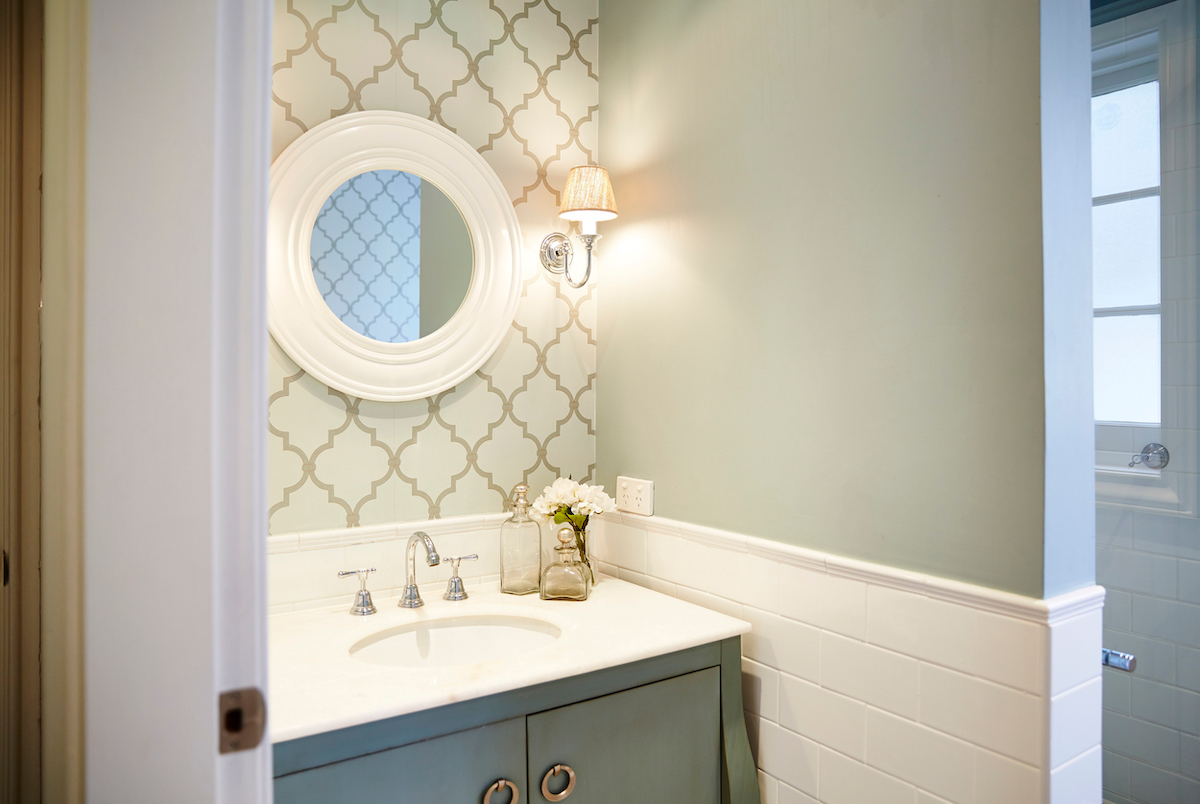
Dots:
(648, 745)
(20, 295)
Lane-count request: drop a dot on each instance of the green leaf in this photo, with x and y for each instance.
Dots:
(560, 516)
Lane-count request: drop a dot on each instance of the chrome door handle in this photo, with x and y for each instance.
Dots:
(1118, 660)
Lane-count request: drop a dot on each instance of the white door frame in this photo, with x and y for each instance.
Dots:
(154, 395)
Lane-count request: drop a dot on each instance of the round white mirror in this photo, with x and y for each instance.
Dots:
(393, 256)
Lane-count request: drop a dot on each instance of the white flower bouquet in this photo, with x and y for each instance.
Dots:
(566, 502)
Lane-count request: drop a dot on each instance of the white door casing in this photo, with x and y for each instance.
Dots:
(176, 156)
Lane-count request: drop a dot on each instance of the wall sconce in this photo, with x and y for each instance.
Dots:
(587, 198)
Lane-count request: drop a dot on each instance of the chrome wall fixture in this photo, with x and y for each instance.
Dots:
(1118, 659)
(587, 198)
(1152, 456)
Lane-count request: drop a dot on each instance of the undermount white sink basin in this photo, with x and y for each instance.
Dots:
(455, 640)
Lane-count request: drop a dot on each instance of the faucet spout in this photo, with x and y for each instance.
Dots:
(412, 596)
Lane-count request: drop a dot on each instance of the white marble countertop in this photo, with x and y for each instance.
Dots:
(317, 686)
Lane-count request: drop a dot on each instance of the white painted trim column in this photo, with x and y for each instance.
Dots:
(174, 364)
(238, 451)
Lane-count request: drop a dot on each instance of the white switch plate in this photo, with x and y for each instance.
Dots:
(635, 496)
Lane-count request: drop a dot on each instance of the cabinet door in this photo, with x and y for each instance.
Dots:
(649, 745)
(457, 769)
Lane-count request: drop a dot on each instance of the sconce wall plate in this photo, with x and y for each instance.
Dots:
(556, 253)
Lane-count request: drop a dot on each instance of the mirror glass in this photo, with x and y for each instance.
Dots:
(391, 256)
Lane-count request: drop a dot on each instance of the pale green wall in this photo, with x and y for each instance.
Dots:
(820, 312)
(446, 259)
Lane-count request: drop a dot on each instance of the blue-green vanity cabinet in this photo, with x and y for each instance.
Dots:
(453, 768)
(665, 729)
(648, 745)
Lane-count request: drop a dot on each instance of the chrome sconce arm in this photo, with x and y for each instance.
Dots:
(557, 254)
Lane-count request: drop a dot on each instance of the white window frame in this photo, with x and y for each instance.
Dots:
(1135, 58)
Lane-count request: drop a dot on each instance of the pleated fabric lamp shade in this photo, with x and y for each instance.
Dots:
(588, 196)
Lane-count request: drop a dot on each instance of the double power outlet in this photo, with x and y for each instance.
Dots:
(635, 496)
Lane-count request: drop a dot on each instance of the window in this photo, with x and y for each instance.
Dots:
(1126, 246)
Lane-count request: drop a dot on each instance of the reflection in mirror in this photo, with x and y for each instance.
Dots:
(391, 256)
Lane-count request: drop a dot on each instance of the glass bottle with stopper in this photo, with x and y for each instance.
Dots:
(567, 577)
(520, 548)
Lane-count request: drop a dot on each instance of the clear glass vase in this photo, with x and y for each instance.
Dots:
(567, 578)
(583, 547)
(520, 548)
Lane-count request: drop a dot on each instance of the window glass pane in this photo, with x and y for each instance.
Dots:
(1125, 253)
(1127, 368)
(1125, 140)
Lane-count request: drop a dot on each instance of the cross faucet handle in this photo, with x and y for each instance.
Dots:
(454, 589)
(362, 599)
(361, 573)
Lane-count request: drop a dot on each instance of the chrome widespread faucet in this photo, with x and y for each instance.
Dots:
(412, 597)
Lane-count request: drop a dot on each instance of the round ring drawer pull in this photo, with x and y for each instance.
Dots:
(557, 769)
(499, 785)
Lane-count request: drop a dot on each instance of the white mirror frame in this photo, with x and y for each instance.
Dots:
(302, 179)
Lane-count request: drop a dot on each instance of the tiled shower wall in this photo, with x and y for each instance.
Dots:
(1148, 530)
(517, 80)
(1150, 564)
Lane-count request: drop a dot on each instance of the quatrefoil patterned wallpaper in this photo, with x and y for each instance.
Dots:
(518, 81)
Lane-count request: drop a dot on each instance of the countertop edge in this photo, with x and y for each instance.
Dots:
(482, 691)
